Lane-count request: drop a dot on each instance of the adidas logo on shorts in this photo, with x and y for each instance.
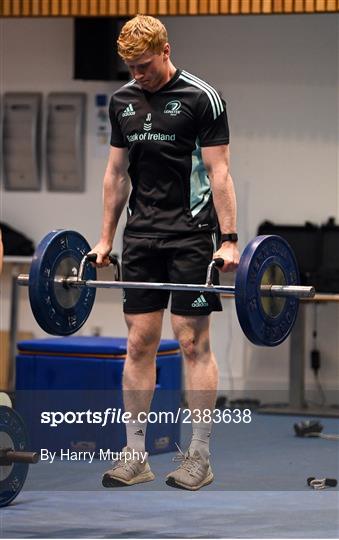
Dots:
(200, 302)
(129, 111)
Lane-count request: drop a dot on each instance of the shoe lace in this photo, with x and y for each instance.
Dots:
(124, 464)
(187, 462)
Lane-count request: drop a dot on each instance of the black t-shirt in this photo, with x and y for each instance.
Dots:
(164, 132)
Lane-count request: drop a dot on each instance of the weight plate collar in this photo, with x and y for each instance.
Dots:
(259, 327)
(13, 432)
(58, 310)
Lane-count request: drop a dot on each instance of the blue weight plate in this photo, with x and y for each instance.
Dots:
(266, 321)
(57, 309)
(12, 435)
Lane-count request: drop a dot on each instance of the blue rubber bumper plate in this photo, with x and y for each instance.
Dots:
(259, 325)
(58, 309)
(13, 435)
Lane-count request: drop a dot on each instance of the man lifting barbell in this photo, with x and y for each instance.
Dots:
(170, 135)
(168, 243)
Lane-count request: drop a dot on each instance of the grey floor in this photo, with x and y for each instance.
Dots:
(259, 491)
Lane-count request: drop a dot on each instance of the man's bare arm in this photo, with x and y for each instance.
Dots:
(216, 161)
(116, 187)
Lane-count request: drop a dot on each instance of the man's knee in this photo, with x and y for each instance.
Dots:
(141, 345)
(144, 332)
(194, 343)
(193, 337)
(194, 348)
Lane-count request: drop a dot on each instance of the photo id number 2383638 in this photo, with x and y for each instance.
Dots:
(217, 416)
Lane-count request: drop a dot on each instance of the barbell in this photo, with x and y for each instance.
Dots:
(62, 285)
(14, 457)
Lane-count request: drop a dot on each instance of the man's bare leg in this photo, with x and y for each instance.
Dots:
(201, 375)
(144, 331)
(201, 370)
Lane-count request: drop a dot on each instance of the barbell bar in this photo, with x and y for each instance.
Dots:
(280, 291)
(62, 286)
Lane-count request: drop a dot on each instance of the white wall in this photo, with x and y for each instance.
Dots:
(279, 76)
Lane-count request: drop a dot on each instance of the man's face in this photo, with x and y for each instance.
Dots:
(149, 69)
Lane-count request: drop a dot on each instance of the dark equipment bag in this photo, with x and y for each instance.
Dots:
(329, 260)
(305, 242)
(316, 249)
(15, 243)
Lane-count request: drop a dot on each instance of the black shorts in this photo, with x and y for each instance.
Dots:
(175, 260)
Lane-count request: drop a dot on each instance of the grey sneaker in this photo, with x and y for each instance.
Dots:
(127, 473)
(193, 473)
